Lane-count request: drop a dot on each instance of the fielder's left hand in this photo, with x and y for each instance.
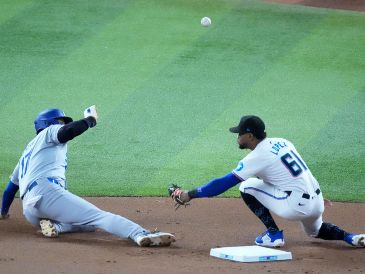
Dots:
(181, 197)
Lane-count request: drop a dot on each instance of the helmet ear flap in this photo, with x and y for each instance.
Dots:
(40, 125)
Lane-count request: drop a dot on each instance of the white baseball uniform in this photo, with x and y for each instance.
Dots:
(277, 176)
(40, 174)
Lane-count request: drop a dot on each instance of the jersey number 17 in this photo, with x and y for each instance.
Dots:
(24, 163)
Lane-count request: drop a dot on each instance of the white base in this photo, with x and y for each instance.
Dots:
(248, 254)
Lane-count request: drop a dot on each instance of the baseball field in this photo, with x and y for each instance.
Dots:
(167, 89)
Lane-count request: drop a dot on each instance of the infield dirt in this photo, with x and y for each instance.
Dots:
(207, 223)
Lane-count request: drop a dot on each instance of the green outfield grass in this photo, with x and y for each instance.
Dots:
(168, 89)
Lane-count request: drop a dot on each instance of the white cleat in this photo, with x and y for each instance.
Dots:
(48, 229)
(358, 240)
(154, 239)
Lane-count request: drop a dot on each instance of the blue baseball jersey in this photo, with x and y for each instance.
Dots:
(43, 157)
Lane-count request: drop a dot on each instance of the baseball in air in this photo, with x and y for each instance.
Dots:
(206, 22)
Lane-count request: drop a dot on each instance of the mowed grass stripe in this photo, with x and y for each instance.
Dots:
(116, 61)
(337, 152)
(10, 8)
(101, 66)
(32, 43)
(170, 112)
(92, 71)
(122, 132)
(39, 37)
(294, 104)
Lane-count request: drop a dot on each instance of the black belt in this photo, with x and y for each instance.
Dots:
(305, 195)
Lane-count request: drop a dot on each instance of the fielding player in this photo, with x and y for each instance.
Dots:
(273, 177)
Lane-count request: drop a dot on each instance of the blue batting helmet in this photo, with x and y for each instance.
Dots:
(50, 117)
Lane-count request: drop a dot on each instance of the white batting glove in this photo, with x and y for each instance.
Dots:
(91, 111)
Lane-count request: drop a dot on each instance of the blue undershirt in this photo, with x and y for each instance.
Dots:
(8, 197)
(217, 186)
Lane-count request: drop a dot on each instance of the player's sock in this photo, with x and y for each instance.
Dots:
(331, 232)
(260, 211)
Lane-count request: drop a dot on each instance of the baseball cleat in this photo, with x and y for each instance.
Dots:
(357, 240)
(271, 239)
(146, 239)
(48, 229)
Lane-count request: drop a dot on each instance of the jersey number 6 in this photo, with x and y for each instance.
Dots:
(293, 162)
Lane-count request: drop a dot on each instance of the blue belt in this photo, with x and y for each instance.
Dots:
(30, 187)
(34, 184)
(54, 181)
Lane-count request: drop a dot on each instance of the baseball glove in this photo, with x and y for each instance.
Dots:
(180, 196)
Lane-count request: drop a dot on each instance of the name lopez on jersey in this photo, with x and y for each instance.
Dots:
(277, 146)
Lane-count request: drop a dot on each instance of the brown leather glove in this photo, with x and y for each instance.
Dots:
(181, 197)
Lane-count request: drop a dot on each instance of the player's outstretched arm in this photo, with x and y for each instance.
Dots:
(211, 189)
(8, 198)
(215, 186)
(73, 129)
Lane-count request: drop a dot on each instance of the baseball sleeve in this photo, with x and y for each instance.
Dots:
(71, 130)
(8, 198)
(9, 192)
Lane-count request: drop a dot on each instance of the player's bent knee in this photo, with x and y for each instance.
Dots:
(313, 230)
